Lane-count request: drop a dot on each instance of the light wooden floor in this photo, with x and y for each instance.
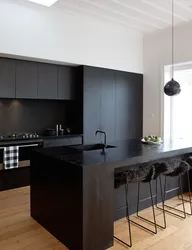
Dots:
(18, 231)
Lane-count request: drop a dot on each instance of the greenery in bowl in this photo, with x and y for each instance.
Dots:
(153, 138)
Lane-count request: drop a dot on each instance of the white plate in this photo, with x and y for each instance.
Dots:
(152, 142)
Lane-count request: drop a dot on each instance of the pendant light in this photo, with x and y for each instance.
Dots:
(172, 87)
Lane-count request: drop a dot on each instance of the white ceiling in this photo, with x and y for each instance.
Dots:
(144, 16)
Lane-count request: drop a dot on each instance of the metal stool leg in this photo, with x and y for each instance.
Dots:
(154, 218)
(163, 203)
(128, 219)
(190, 198)
(178, 210)
(152, 204)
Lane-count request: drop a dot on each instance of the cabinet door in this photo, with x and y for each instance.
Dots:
(92, 104)
(26, 80)
(123, 108)
(7, 78)
(108, 103)
(65, 83)
(136, 105)
(47, 81)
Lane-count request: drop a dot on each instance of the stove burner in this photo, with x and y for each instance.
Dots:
(19, 136)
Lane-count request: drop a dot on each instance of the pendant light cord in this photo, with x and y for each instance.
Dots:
(172, 38)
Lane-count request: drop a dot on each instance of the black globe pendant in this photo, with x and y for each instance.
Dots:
(172, 88)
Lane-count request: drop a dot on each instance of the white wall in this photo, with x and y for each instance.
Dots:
(157, 53)
(49, 34)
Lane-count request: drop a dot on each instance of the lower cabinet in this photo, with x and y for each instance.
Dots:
(62, 142)
(14, 178)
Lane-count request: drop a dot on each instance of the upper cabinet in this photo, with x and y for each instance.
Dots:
(26, 79)
(32, 80)
(7, 78)
(47, 81)
(65, 83)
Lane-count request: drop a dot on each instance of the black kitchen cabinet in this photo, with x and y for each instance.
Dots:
(129, 105)
(7, 78)
(92, 104)
(65, 83)
(62, 142)
(123, 112)
(26, 79)
(47, 81)
(108, 117)
(113, 102)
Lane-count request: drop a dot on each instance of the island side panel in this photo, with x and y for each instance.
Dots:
(98, 207)
(56, 198)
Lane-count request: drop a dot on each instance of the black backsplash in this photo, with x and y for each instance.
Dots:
(37, 115)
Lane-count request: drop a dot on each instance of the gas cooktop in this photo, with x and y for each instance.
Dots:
(19, 136)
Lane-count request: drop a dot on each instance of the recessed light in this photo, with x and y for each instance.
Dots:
(46, 3)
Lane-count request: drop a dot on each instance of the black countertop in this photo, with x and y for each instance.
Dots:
(126, 153)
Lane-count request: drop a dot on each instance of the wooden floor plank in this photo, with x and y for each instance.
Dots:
(18, 231)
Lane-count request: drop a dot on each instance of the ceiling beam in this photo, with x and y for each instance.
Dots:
(97, 5)
(154, 5)
(114, 20)
(185, 7)
(126, 5)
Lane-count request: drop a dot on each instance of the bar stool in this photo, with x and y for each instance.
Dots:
(187, 171)
(137, 175)
(150, 177)
(174, 168)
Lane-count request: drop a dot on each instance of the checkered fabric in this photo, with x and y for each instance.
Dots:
(11, 157)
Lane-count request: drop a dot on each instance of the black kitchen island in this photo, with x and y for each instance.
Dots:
(72, 190)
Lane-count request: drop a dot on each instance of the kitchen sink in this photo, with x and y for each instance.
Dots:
(92, 147)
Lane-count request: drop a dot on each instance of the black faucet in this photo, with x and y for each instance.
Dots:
(105, 137)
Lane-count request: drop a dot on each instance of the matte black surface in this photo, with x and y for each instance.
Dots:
(47, 81)
(37, 115)
(65, 83)
(63, 142)
(129, 105)
(60, 203)
(108, 103)
(125, 154)
(14, 178)
(92, 104)
(113, 102)
(95, 172)
(61, 136)
(7, 78)
(32, 80)
(26, 79)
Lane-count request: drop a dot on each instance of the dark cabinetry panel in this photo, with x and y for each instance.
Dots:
(113, 102)
(108, 117)
(123, 109)
(26, 79)
(92, 104)
(65, 83)
(7, 78)
(47, 81)
(33, 80)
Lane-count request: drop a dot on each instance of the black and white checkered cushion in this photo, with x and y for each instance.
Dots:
(11, 157)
